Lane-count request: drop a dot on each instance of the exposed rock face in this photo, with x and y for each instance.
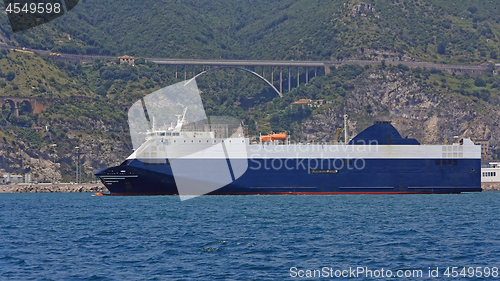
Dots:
(382, 55)
(414, 110)
(361, 9)
(95, 152)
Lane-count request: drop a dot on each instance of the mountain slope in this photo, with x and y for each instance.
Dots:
(91, 99)
(435, 30)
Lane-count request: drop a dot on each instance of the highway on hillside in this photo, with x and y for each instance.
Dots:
(292, 63)
(213, 62)
(275, 63)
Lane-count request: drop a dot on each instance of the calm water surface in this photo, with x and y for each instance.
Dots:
(81, 237)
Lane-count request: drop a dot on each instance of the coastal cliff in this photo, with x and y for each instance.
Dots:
(417, 108)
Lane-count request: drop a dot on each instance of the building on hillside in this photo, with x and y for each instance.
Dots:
(27, 178)
(302, 102)
(245, 130)
(485, 146)
(219, 130)
(309, 102)
(127, 59)
(12, 179)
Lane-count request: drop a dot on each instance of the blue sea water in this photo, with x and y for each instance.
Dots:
(81, 237)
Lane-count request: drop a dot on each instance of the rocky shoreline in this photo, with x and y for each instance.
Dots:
(51, 188)
(490, 186)
(98, 187)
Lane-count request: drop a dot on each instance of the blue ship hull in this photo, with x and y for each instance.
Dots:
(393, 165)
(377, 176)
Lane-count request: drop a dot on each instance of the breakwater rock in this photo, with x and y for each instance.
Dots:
(490, 186)
(48, 188)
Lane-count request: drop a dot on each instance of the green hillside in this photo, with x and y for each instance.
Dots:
(29, 74)
(432, 30)
(89, 101)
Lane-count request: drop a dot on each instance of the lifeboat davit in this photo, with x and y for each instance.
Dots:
(273, 137)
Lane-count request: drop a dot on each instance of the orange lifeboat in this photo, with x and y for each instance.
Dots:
(273, 137)
(265, 138)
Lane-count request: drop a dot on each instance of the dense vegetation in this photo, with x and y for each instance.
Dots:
(458, 31)
(112, 88)
(28, 74)
(90, 100)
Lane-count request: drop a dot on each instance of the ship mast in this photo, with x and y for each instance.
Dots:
(180, 120)
(345, 129)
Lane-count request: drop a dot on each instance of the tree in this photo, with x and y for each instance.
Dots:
(403, 67)
(441, 49)
(10, 76)
(479, 82)
(472, 9)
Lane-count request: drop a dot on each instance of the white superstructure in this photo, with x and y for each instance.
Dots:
(490, 172)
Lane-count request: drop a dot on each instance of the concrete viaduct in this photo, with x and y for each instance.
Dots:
(309, 68)
(271, 68)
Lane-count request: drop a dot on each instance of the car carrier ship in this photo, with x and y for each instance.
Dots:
(376, 161)
(210, 155)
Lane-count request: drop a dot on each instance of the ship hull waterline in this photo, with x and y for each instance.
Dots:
(378, 176)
